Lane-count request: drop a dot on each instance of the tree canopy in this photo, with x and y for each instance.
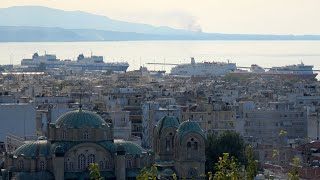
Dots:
(228, 142)
(94, 172)
(228, 168)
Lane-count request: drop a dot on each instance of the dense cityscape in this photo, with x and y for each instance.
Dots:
(56, 121)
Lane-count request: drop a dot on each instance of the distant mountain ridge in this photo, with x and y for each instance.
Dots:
(39, 24)
(38, 16)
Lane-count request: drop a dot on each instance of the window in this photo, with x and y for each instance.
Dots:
(192, 148)
(20, 164)
(189, 150)
(91, 159)
(189, 145)
(107, 164)
(64, 135)
(85, 135)
(71, 165)
(101, 164)
(195, 146)
(81, 162)
(66, 166)
(169, 142)
(42, 166)
(129, 165)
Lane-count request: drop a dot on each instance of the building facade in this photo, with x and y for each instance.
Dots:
(75, 140)
(78, 138)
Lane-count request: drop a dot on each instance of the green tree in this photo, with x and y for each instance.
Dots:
(252, 164)
(174, 177)
(228, 168)
(146, 174)
(94, 172)
(210, 175)
(294, 172)
(228, 142)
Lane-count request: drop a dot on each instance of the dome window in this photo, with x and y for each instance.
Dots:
(107, 164)
(195, 145)
(85, 135)
(65, 166)
(71, 165)
(101, 164)
(64, 135)
(81, 162)
(42, 166)
(20, 164)
(91, 159)
(129, 164)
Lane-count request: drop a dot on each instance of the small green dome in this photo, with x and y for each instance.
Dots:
(34, 149)
(165, 122)
(129, 147)
(189, 127)
(80, 119)
(167, 173)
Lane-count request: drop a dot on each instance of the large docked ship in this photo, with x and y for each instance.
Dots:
(204, 68)
(49, 60)
(95, 63)
(296, 71)
(82, 63)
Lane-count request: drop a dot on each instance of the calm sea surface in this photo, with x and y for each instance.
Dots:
(138, 53)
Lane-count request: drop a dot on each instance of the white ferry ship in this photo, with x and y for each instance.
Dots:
(49, 60)
(204, 68)
(82, 63)
(95, 63)
(299, 71)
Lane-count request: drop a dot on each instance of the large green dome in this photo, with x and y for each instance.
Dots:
(80, 119)
(189, 127)
(34, 149)
(165, 122)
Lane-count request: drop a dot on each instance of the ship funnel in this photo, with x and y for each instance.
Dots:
(193, 61)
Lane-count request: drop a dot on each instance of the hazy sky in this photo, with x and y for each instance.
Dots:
(225, 16)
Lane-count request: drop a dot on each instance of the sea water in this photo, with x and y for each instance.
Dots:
(140, 53)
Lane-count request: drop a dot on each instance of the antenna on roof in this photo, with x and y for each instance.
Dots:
(80, 103)
(168, 112)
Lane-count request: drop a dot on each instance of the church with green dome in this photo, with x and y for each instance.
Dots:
(80, 137)
(179, 148)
